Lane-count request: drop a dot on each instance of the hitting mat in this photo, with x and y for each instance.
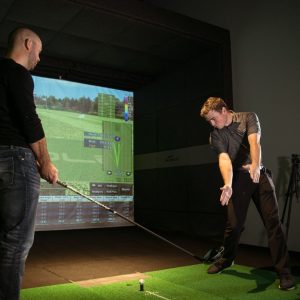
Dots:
(183, 283)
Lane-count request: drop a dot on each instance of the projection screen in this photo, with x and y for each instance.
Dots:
(89, 131)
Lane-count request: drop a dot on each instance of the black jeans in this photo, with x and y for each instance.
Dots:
(19, 193)
(264, 197)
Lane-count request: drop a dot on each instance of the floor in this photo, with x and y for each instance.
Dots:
(65, 256)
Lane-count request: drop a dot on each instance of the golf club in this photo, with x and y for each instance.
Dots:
(63, 184)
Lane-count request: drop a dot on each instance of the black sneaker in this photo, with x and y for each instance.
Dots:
(286, 282)
(219, 266)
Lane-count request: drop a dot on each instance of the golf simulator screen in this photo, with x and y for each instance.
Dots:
(89, 132)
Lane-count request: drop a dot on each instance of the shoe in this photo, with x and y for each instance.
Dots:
(219, 266)
(286, 282)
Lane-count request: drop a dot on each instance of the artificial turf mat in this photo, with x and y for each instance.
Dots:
(183, 283)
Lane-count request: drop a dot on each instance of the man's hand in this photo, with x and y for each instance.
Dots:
(226, 194)
(255, 153)
(46, 168)
(48, 172)
(254, 171)
(225, 166)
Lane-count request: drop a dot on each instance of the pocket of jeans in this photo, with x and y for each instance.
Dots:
(266, 183)
(6, 172)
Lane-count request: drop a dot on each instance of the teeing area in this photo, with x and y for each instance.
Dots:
(181, 283)
(108, 263)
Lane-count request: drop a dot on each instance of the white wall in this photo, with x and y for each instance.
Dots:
(265, 44)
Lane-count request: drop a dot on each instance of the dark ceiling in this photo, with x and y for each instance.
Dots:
(117, 43)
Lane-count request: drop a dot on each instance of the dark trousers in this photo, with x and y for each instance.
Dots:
(19, 193)
(264, 197)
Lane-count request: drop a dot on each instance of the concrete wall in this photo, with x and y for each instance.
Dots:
(265, 47)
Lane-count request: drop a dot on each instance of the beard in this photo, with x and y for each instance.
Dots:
(32, 61)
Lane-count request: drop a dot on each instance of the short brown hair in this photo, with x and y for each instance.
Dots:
(212, 103)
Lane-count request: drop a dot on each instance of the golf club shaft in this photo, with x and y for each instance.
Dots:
(63, 184)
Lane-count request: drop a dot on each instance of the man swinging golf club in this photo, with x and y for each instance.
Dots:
(236, 139)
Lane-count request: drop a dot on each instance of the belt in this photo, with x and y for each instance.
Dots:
(6, 147)
(263, 169)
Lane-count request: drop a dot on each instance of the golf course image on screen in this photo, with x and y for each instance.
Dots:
(89, 132)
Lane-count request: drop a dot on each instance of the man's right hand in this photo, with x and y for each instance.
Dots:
(226, 194)
(48, 172)
(46, 168)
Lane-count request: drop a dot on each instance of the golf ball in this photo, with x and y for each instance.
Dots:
(141, 282)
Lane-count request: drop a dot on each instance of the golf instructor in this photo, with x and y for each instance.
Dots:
(23, 158)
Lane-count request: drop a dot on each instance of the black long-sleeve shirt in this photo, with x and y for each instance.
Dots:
(19, 122)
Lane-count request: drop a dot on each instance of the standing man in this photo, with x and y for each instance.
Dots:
(236, 139)
(23, 158)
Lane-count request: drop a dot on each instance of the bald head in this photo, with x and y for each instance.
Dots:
(24, 47)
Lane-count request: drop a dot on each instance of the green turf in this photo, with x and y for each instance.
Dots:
(183, 283)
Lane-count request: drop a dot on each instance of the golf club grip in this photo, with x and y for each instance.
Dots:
(63, 184)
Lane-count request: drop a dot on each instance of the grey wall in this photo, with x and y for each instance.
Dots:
(174, 166)
(265, 45)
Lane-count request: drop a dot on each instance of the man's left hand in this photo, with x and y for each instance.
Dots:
(254, 172)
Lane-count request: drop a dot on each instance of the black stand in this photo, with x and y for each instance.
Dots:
(292, 189)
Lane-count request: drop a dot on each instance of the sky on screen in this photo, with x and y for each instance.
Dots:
(61, 88)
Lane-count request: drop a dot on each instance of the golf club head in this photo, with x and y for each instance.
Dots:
(213, 254)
